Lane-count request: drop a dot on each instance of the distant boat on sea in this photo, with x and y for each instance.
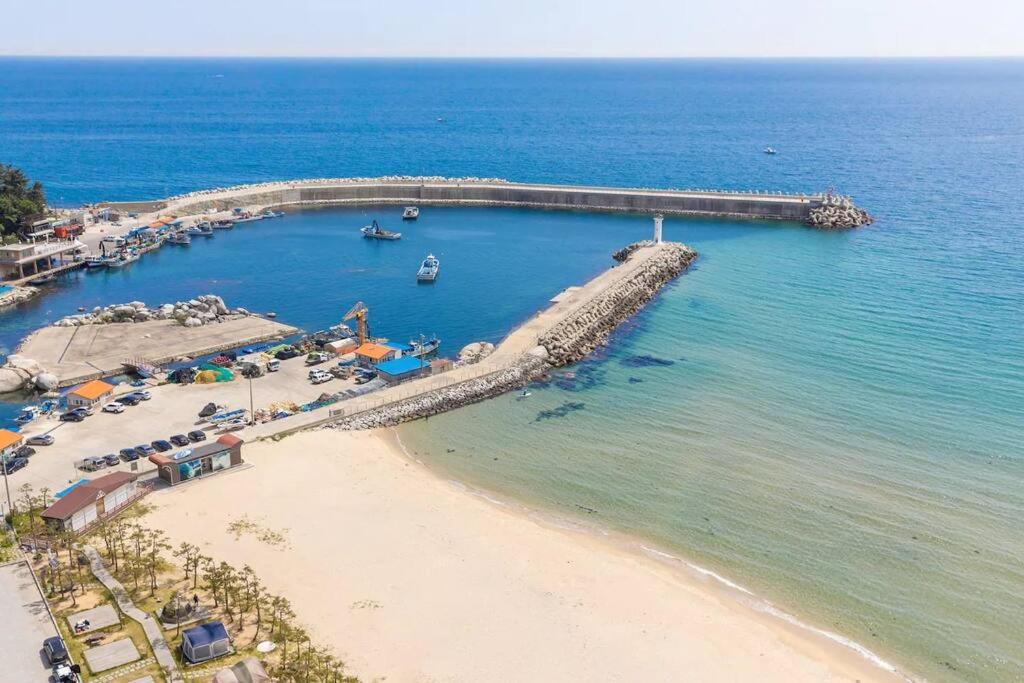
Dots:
(770, 150)
(375, 232)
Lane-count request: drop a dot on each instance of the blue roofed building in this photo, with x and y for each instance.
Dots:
(205, 642)
(402, 369)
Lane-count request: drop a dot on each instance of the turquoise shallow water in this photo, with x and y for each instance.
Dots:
(840, 425)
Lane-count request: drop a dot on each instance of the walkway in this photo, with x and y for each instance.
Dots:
(156, 637)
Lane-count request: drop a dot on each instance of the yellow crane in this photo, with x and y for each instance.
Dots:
(359, 312)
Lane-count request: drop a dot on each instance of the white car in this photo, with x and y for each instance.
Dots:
(114, 407)
(319, 376)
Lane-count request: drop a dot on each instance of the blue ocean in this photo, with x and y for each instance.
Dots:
(832, 420)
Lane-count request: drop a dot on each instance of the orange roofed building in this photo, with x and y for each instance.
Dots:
(90, 393)
(371, 354)
(9, 441)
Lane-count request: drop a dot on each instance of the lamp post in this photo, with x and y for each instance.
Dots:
(252, 414)
(7, 487)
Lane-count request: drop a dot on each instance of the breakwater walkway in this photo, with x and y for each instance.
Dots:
(578, 321)
(819, 209)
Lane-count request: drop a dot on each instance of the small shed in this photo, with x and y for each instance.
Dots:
(90, 394)
(402, 369)
(199, 461)
(371, 354)
(9, 441)
(90, 501)
(205, 642)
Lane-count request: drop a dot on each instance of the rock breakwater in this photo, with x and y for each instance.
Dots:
(838, 212)
(203, 310)
(569, 340)
(13, 296)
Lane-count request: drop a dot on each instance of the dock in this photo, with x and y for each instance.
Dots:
(78, 354)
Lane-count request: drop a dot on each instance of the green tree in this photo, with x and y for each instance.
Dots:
(18, 198)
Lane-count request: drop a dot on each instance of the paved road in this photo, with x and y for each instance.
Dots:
(156, 637)
(26, 625)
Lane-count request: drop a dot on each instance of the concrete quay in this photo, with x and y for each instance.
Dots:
(78, 354)
(471, 192)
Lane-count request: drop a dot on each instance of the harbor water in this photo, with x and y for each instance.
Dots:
(831, 420)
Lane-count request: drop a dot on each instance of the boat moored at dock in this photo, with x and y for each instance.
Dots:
(179, 238)
(429, 269)
(92, 262)
(375, 232)
(223, 224)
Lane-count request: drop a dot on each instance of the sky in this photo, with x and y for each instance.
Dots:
(514, 28)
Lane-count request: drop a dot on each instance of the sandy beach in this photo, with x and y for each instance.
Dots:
(413, 578)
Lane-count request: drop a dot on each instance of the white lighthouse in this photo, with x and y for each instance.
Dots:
(658, 218)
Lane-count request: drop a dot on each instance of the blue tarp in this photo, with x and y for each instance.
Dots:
(401, 366)
(64, 492)
(205, 634)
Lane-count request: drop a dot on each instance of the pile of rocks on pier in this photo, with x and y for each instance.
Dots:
(16, 295)
(567, 342)
(838, 212)
(203, 310)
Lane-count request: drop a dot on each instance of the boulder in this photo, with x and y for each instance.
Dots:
(11, 380)
(46, 381)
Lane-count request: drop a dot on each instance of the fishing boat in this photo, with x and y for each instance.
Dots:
(44, 280)
(272, 214)
(411, 213)
(770, 150)
(95, 262)
(180, 239)
(27, 414)
(424, 346)
(223, 224)
(428, 269)
(375, 232)
(122, 259)
(248, 218)
(228, 415)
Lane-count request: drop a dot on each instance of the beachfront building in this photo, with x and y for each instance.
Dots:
(9, 442)
(90, 394)
(370, 354)
(199, 461)
(205, 642)
(91, 501)
(30, 258)
(402, 369)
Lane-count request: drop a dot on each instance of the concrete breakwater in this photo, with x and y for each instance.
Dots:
(489, 192)
(573, 333)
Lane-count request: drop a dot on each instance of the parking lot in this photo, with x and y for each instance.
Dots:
(173, 409)
(26, 625)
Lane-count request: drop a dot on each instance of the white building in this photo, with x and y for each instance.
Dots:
(89, 502)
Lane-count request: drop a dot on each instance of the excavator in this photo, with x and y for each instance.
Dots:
(359, 312)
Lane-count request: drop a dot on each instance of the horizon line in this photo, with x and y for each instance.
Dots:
(523, 57)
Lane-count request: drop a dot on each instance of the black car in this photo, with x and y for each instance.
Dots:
(196, 436)
(129, 454)
(111, 459)
(55, 650)
(179, 440)
(129, 400)
(72, 416)
(15, 464)
(285, 354)
(25, 452)
(161, 445)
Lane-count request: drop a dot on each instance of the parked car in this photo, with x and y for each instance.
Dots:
(111, 459)
(196, 436)
(84, 410)
(273, 365)
(180, 440)
(24, 452)
(161, 445)
(285, 354)
(72, 416)
(129, 454)
(319, 376)
(114, 407)
(92, 463)
(15, 464)
(55, 650)
(143, 395)
(145, 449)
(40, 440)
(129, 400)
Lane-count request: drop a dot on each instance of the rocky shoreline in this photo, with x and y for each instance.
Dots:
(203, 310)
(567, 342)
(17, 295)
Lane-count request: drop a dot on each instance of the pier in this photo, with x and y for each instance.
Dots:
(479, 192)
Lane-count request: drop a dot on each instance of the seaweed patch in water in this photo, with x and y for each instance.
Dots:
(560, 411)
(645, 361)
(635, 380)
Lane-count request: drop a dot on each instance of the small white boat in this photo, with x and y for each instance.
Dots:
(272, 214)
(770, 150)
(95, 262)
(428, 269)
(248, 218)
(223, 225)
(180, 239)
(411, 213)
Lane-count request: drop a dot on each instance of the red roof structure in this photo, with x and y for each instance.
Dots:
(86, 494)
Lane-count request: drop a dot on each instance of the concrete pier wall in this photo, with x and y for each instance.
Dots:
(326, 193)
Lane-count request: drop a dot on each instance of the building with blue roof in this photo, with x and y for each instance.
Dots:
(205, 642)
(402, 369)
